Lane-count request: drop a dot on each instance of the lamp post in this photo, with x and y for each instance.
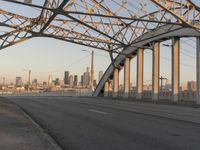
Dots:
(92, 68)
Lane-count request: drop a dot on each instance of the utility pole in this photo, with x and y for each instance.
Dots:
(92, 70)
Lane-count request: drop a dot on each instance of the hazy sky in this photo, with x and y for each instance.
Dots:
(46, 56)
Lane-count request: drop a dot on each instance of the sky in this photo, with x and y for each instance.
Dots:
(45, 56)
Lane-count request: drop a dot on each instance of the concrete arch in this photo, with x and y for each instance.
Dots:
(160, 34)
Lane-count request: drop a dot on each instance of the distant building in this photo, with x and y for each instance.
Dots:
(71, 81)
(191, 86)
(100, 75)
(147, 87)
(49, 80)
(183, 87)
(82, 80)
(75, 80)
(61, 82)
(57, 81)
(19, 81)
(35, 81)
(94, 83)
(66, 77)
(168, 87)
(86, 77)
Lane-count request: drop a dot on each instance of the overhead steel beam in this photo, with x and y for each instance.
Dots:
(119, 17)
(54, 15)
(191, 10)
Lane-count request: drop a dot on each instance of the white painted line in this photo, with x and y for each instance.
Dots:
(97, 111)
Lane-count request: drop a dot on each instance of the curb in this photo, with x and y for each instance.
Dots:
(46, 136)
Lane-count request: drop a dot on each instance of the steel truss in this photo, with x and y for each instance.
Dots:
(110, 25)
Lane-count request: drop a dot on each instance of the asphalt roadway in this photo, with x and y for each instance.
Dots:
(102, 124)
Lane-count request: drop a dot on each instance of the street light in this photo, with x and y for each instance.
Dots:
(92, 67)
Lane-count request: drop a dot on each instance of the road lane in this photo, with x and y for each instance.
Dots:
(74, 127)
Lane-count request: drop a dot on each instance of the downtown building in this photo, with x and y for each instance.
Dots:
(19, 82)
(66, 77)
(86, 78)
(100, 75)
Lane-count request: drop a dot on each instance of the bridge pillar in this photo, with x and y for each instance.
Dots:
(175, 68)
(198, 71)
(116, 82)
(106, 89)
(127, 77)
(155, 71)
(140, 55)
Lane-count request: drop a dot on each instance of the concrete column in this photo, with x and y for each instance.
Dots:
(127, 77)
(198, 71)
(175, 68)
(155, 71)
(116, 82)
(106, 89)
(140, 56)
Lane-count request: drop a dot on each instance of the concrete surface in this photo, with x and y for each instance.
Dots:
(19, 132)
(103, 124)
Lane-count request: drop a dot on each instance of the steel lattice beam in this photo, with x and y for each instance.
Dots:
(108, 25)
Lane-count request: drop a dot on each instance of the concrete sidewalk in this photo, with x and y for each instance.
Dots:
(19, 132)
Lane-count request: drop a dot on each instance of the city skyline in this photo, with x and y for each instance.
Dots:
(44, 56)
(56, 63)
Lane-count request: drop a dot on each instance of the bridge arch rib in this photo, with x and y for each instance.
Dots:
(159, 34)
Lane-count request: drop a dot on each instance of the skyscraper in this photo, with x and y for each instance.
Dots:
(57, 81)
(82, 80)
(66, 77)
(35, 82)
(49, 80)
(100, 75)
(191, 85)
(86, 77)
(71, 81)
(19, 81)
(75, 80)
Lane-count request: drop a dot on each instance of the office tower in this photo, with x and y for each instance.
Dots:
(49, 80)
(75, 80)
(87, 77)
(66, 77)
(191, 85)
(71, 81)
(35, 81)
(19, 81)
(82, 78)
(94, 83)
(57, 81)
(100, 75)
